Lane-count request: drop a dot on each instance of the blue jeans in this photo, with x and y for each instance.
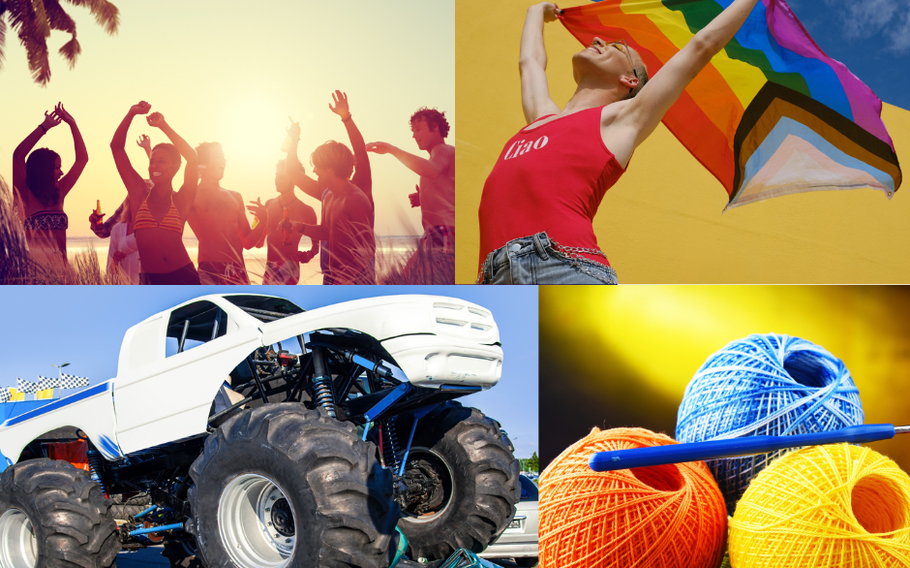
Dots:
(534, 260)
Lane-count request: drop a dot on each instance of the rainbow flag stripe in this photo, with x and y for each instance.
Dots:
(771, 114)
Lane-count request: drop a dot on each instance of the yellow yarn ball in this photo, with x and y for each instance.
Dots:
(837, 506)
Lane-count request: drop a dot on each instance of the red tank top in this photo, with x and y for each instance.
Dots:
(549, 178)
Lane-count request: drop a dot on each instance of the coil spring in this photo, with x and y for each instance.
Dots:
(94, 464)
(390, 444)
(324, 398)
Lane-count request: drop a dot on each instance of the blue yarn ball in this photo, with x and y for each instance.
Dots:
(765, 385)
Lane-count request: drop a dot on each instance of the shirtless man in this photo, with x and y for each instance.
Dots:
(538, 204)
(219, 221)
(283, 261)
(363, 177)
(160, 213)
(347, 218)
(434, 260)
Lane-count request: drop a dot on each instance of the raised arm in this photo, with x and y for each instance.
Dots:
(69, 180)
(187, 192)
(363, 175)
(131, 178)
(644, 112)
(532, 63)
(22, 150)
(294, 170)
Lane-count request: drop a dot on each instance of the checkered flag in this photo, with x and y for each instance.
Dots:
(26, 386)
(5, 395)
(72, 382)
(45, 383)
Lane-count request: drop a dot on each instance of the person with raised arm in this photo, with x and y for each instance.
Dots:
(219, 221)
(434, 260)
(284, 258)
(363, 177)
(40, 188)
(347, 217)
(550, 178)
(160, 213)
(101, 227)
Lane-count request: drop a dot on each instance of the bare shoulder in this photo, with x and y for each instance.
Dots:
(235, 195)
(443, 151)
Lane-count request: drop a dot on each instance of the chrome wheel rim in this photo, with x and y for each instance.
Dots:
(256, 522)
(18, 545)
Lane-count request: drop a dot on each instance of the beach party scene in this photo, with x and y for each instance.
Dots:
(169, 143)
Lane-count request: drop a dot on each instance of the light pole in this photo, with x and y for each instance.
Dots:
(59, 375)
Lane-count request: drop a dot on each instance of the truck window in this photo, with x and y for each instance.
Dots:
(194, 324)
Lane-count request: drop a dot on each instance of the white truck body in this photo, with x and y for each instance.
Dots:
(157, 399)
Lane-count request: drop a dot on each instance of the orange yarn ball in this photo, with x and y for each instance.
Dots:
(670, 516)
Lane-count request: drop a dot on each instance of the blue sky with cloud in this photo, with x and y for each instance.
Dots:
(871, 37)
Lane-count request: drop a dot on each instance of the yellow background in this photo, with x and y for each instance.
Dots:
(662, 222)
(622, 356)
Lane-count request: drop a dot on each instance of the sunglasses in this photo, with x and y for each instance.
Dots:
(622, 46)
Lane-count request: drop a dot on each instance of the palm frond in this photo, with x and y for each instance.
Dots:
(40, 26)
(60, 20)
(106, 14)
(33, 31)
(2, 34)
(70, 51)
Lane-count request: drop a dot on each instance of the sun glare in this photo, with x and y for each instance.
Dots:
(254, 132)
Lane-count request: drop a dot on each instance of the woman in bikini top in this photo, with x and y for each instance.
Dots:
(40, 188)
(161, 249)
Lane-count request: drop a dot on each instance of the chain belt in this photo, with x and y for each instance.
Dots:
(573, 255)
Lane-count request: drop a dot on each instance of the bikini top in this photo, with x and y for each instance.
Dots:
(145, 220)
(47, 221)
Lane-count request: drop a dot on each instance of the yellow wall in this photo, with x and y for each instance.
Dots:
(662, 222)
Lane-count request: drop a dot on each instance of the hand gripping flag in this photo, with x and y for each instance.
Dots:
(771, 114)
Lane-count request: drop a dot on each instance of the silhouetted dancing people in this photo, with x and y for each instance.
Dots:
(434, 260)
(362, 179)
(346, 218)
(160, 214)
(40, 188)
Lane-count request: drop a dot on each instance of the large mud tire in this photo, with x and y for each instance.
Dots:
(479, 486)
(337, 509)
(53, 515)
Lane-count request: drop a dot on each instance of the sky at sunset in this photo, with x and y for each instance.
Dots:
(233, 73)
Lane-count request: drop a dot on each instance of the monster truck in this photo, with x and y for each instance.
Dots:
(243, 431)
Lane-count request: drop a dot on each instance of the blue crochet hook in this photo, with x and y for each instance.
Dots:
(713, 449)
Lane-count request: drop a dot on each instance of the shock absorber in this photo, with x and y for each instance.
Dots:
(322, 383)
(94, 464)
(390, 446)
